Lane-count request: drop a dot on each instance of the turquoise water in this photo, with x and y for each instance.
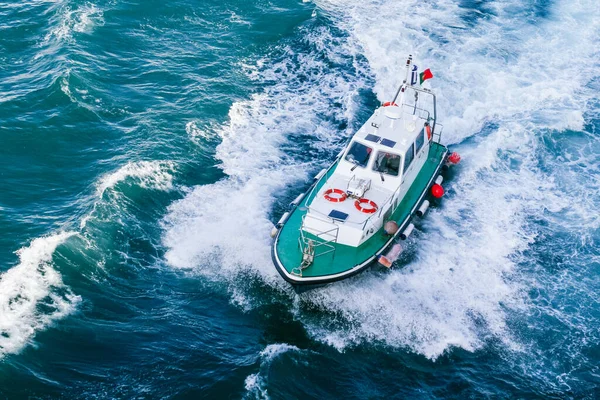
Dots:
(146, 149)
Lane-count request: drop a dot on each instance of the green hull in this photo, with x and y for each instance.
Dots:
(346, 261)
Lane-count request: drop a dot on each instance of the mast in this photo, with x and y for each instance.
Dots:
(406, 83)
(402, 87)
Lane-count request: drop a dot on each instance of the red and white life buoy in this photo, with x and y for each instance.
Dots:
(389, 103)
(428, 130)
(341, 195)
(365, 205)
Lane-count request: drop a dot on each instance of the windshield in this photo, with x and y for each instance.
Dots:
(388, 163)
(359, 154)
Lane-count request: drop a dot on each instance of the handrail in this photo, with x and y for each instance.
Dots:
(417, 108)
(333, 220)
(326, 176)
(320, 242)
(439, 135)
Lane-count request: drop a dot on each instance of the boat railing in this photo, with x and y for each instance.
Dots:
(325, 176)
(332, 233)
(390, 201)
(411, 109)
(437, 134)
(320, 244)
(328, 219)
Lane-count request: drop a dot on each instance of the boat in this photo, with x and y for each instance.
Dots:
(357, 211)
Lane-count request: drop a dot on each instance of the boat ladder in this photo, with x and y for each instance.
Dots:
(319, 244)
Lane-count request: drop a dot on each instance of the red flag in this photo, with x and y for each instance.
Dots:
(425, 75)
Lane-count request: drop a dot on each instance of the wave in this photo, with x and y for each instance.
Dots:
(67, 20)
(32, 294)
(256, 384)
(151, 175)
(221, 230)
(156, 175)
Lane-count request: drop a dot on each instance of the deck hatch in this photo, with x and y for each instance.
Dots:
(388, 143)
(338, 215)
(372, 138)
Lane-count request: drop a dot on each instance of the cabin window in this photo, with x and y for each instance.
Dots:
(359, 154)
(388, 163)
(409, 157)
(419, 141)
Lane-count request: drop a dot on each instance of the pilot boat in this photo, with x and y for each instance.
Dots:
(358, 210)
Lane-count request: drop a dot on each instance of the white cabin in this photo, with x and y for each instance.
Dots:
(375, 172)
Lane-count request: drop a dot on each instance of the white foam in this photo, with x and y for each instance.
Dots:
(156, 175)
(67, 20)
(522, 77)
(272, 351)
(255, 387)
(499, 69)
(459, 289)
(223, 229)
(197, 133)
(256, 384)
(32, 284)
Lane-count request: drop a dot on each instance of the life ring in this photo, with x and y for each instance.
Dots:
(360, 206)
(389, 103)
(335, 199)
(428, 130)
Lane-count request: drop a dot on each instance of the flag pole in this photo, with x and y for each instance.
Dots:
(403, 86)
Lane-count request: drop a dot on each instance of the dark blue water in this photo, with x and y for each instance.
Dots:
(147, 147)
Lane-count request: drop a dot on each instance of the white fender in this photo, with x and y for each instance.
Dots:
(274, 232)
(423, 209)
(298, 199)
(283, 218)
(406, 233)
(320, 174)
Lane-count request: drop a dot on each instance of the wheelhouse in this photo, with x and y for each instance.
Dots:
(374, 155)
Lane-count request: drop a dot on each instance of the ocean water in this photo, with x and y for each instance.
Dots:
(147, 147)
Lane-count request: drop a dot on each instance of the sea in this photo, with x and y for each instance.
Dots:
(147, 148)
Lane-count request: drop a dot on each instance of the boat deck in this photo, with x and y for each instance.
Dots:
(345, 258)
(322, 207)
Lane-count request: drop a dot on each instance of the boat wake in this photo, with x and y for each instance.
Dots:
(500, 99)
(222, 230)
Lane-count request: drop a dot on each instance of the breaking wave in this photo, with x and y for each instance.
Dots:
(32, 294)
(256, 384)
(80, 19)
(156, 175)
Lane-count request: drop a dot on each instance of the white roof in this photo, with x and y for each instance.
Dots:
(391, 129)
